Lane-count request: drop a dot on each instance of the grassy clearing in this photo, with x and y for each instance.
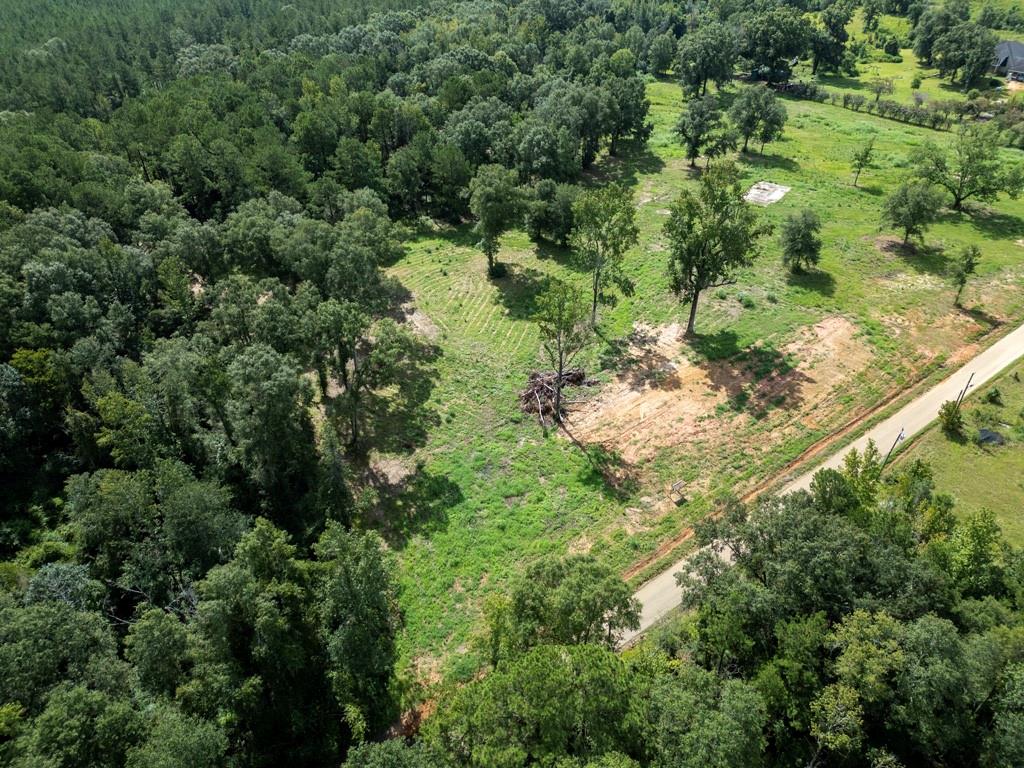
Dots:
(488, 490)
(983, 477)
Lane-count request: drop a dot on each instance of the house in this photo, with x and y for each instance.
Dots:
(1009, 59)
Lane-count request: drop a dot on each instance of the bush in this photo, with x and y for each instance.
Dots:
(916, 82)
(951, 419)
(993, 396)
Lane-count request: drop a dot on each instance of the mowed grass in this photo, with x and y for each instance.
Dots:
(983, 477)
(488, 490)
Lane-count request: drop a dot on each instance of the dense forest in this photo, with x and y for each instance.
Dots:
(200, 346)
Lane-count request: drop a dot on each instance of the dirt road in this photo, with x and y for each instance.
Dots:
(661, 594)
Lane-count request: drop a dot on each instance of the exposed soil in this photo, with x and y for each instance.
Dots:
(934, 336)
(660, 398)
(420, 322)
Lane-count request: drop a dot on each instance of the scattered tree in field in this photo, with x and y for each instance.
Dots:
(862, 158)
(562, 320)
(707, 54)
(912, 208)
(700, 119)
(757, 114)
(495, 201)
(712, 234)
(801, 246)
(951, 418)
(966, 263)
(722, 141)
(973, 169)
(881, 86)
(605, 228)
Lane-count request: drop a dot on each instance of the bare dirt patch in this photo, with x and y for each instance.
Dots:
(946, 334)
(392, 470)
(420, 322)
(660, 398)
(829, 354)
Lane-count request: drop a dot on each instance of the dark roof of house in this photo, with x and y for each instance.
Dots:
(1010, 54)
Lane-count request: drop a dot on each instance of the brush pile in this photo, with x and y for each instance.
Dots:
(539, 395)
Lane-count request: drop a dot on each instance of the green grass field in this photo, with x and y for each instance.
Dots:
(902, 73)
(983, 477)
(488, 490)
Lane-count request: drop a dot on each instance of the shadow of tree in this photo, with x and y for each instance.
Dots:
(399, 419)
(458, 234)
(815, 280)
(638, 360)
(841, 81)
(928, 259)
(755, 379)
(720, 345)
(414, 505)
(634, 158)
(519, 288)
(561, 255)
(607, 470)
(980, 316)
(987, 220)
(759, 160)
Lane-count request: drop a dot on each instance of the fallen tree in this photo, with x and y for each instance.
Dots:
(541, 393)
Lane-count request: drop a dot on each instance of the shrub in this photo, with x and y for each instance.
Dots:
(994, 396)
(951, 419)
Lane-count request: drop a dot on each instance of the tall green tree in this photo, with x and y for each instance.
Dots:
(707, 54)
(801, 246)
(567, 601)
(965, 265)
(700, 119)
(772, 38)
(972, 168)
(712, 233)
(757, 114)
(861, 159)
(604, 229)
(912, 207)
(495, 201)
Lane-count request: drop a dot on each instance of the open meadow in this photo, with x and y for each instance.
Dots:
(780, 362)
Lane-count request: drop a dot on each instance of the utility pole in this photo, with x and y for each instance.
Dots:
(897, 441)
(963, 392)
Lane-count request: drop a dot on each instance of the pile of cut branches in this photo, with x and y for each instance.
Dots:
(539, 395)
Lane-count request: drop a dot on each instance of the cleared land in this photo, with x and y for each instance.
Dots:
(781, 362)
